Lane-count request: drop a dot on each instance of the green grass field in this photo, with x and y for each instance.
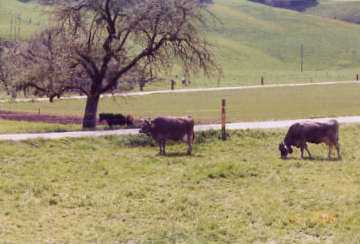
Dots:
(11, 126)
(118, 190)
(242, 105)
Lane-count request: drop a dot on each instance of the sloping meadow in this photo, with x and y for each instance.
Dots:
(118, 190)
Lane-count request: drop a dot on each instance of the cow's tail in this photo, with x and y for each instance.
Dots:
(193, 139)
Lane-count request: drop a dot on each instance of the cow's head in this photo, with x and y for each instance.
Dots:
(101, 117)
(284, 150)
(146, 128)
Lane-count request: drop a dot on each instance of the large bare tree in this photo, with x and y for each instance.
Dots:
(103, 44)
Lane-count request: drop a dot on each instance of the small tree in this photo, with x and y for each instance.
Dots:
(46, 65)
(103, 44)
(6, 72)
(2, 74)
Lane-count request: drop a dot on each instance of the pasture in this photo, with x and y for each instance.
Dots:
(11, 126)
(242, 105)
(118, 190)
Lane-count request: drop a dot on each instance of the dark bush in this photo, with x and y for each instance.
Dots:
(298, 5)
(206, 1)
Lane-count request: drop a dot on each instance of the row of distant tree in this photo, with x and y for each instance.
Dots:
(45, 2)
(299, 5)
(51, 2)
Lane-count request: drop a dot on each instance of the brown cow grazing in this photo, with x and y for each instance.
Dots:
(162, 129)
(313, 132)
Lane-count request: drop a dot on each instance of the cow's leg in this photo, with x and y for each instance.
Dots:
(160, 147)
(164, 143)
(302, 152)
(337, 146)
(190, 142)
(307, 149)
(330, 150)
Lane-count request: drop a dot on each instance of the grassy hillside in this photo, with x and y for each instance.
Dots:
(256, 39)
(250, 40)
(118, 190)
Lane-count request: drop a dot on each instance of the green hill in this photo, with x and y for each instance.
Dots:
(255, 39)
(250, 40)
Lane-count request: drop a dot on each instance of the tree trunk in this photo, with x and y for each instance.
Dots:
(89, 120)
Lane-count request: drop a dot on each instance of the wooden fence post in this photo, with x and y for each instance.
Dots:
(223, 119)
(357, 76)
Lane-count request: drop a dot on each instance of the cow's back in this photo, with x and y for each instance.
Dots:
(322, 132)
(173, 128)
(313, 132)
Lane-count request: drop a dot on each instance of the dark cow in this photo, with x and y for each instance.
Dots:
(112, 119)
(162, 129)
(313, 132)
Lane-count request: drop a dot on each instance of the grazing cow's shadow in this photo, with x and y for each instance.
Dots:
(288, 158)
(174, 154)
(317, 158)
(312, 159)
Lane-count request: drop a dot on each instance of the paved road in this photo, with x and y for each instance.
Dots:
(192, 90)
(232, 126)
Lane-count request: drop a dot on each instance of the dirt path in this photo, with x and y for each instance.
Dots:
(191, 90)
(232, 126)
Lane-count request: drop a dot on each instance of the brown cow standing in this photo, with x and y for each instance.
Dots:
(162, 129)
(313, 132)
